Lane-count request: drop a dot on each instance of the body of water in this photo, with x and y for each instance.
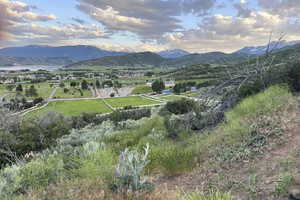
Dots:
(31, 68)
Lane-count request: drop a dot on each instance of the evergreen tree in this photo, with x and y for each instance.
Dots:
(84, 85)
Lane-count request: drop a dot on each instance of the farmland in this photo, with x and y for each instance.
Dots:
(74, 108)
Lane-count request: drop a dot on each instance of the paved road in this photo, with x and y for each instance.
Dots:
(52, 93)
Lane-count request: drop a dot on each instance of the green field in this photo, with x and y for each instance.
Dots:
(43, 89)
(74, 107)
(73, 93)
(170, 97)
(130, 101)
(142, 89)
(191, 93)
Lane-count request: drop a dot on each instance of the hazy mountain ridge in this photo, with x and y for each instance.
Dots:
(259, 50)
(132, 60)
(14, 61)
(154, 60)
(173, 53)
(77, 53)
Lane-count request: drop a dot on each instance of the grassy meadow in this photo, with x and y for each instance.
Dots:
(130, 101)
(74, 107)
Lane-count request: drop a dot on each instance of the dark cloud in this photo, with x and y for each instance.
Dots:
(242, 9)
(149, 19)
(79, 21)
(281, 7)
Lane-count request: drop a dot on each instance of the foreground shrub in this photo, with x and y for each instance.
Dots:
(172, 159)
(38, 173)
(130, 172)
(96, 163)
(181, 106)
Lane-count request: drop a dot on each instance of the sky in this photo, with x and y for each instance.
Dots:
(196, 26)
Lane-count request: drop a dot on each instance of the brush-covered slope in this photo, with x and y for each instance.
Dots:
(143, 59)
(11, 61)
(77, 53)
(154, 60)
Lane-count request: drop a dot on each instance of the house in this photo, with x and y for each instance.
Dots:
(169, 82)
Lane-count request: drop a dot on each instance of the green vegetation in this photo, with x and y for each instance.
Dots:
(72, 93)
(130, 101)
(142, 89)
(74, 107)
(170, 97)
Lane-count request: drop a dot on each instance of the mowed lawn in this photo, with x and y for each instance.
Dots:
(170, 97)
(130, 101)
(74, 107)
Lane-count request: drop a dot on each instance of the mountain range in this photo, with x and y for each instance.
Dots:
(76, 53)
(259, 50)
(81, 55)
(149, 59)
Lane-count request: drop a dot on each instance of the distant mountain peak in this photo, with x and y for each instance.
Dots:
(259, 50)
(173, 53)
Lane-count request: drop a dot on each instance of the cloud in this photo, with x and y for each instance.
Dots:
(79, 21)
(19, 24)
(229, 33)
(289, 8)
(242, 9)
(149, 19)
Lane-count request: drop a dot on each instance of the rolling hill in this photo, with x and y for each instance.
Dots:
(175, 53)
(14, 61)
(155, 60)
(132, 60)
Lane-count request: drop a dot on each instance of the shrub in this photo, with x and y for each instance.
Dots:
(172, 159)
(294, 77)
(283, 184)
(130, 171)
(181, 106)
(96, 163)
(10, 181)
(38, 173)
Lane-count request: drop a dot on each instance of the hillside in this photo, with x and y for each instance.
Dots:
(154, 60)
(259, 50)
(130, 60)
(11, 61)
(174, 53)
(77, 53)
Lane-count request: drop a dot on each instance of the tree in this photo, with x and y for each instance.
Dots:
(158, 86)
(149, 74)
(66, 90)
(98, 85)
(10, 87)
(31, 92)
(62, 85)
(19, 88)
(73, 84)
(84, 85)
(117, 84)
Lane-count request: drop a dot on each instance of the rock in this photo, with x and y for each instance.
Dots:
(295, 194)
(296, 180)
